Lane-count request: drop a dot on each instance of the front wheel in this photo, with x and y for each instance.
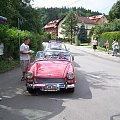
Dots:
(31, 91)
(70, 90)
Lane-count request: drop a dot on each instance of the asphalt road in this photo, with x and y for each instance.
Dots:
(96, 97)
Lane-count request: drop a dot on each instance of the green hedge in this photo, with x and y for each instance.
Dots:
(9, 36)
(110, 36)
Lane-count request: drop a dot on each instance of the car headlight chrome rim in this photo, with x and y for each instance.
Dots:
(29, 75)
(70, 75)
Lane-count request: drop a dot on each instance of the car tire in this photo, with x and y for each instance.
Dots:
(31, 91)
(70, 90)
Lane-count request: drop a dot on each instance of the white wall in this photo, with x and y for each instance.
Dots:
(60, 29)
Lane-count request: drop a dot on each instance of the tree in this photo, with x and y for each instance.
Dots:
(69, 25)
(83, 34)
(115, 11)
(107, 27)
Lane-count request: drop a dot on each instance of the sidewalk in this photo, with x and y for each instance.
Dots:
(98, 53)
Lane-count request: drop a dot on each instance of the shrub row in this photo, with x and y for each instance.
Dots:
(9, 37)
(110, 36)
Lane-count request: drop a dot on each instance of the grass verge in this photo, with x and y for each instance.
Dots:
(6, 65)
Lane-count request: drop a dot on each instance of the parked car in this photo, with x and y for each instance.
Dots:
(56, 45)
(51, 71)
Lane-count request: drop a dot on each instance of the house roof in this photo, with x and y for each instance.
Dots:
(85, 20)
(52, 23)
(96, 17)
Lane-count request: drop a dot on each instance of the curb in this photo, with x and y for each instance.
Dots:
(105, 55)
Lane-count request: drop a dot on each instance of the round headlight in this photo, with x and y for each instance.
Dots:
(70, 75)
(29, 75)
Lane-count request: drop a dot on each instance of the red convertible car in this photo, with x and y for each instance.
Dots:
(51, 71)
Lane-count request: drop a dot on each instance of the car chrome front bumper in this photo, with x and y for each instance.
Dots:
(59, 86)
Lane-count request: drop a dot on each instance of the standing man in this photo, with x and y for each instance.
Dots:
(24, 57)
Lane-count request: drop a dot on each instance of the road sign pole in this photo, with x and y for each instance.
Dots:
(19, 31)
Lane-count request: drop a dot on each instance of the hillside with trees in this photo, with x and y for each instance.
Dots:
(34, 19)
(49, 14)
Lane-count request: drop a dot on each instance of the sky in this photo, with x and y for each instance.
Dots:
(102, 6)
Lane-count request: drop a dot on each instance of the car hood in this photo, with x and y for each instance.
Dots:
(51, 69)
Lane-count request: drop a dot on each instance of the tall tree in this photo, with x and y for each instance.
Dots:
(83, 34)
(69, 24)
(115, 11)
(8, 8)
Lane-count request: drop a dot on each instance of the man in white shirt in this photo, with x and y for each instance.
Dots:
(24, 57)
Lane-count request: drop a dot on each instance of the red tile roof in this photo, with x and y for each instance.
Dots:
(52, 23)
(96, 17)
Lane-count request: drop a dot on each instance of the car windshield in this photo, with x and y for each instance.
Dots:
(56, 46)
(54, 55)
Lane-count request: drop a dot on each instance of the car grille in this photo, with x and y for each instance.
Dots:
(49, 80)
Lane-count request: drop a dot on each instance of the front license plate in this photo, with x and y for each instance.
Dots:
(50, 87)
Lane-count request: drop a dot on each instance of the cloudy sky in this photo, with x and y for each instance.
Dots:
(94, 5)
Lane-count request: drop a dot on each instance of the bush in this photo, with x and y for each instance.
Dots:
(107, 27)
(9, 37)
(110, 36)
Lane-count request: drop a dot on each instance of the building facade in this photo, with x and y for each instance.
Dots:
(80, 20)
(52, 27)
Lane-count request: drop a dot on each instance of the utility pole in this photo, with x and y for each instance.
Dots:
(76, 30)
(19, 31)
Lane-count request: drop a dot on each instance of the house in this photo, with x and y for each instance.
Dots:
(52, 27)
(99, 19)
(87, 22)
(60, 35)
(80, 20)
(55, 26)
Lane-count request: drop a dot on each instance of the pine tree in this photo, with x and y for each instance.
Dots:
(83, 34)
(69, 25)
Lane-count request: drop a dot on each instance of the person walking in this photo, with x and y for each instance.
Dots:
(115, 47)
(94, 43)
(106, 45)
(24, 57)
